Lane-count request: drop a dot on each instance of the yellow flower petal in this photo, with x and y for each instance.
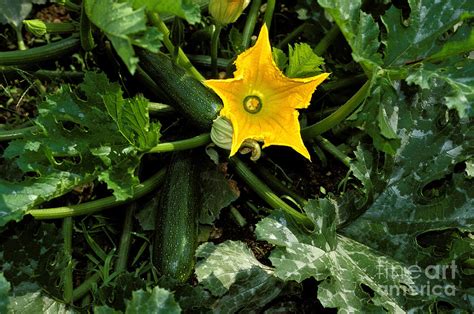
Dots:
(261, 102)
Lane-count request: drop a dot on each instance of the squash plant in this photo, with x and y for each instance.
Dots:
(131, 189)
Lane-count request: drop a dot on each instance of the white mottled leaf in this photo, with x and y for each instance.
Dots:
(232, 273)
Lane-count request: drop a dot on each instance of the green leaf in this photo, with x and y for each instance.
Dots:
(186, 9)
(191, 298)
(433, 142)
(17, 197)
(146, 215)
(117, 289)
(280, 58)
(37, 302)
(130, 115)
(378, 116)
(420, 190)
(470, 168)
(149, 40)
(459, 76)
(343, 265)
(14, 12)
(4, 288)
(102, 136)
(359, 29)
(419, 36)
(121, 177)
(303, 62)
(124, 26)
(241, 283)
(104, 309)
(235, 39)
(133, 121)
(462, 41)
(32, 258)
(158, 300)
(217, 191)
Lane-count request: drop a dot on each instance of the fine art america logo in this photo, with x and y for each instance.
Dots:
(435, 280)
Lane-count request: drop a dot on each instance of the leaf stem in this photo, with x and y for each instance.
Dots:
(125, 240)
(250, 23)
(182, 58)
(7, 135)
(215, 48)
(276, 184)
(189, 143)
(72, 6)
(345, 82)
(264, 191)
(85, 30)
(39, 54)
(67, 279)
(157, 107)
(326, 41)
(333, 150)
(288, 38)
(98, 205)
(80, 291)
(205, 61)
(269, 13)
(239, 219)
(19, 37)
(338, 116)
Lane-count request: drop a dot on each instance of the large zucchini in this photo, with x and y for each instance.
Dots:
(195, 101)
(177, 215)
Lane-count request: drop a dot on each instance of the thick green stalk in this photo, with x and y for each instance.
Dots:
(38, 54)
(98, 205)
(67, 273)
(338, 116)
(326, 41)
(55, 74)
(250, 23)
(189, 143)
(269, 13)
(215, 48)
(182, 58)
(82, 290)
(265, 193)
(125, 240)
(333, 150)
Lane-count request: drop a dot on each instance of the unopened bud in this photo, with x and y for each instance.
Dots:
(36, 27)
(221, 133)
(227, 11)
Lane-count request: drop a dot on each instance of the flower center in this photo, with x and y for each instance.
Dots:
(252, 104)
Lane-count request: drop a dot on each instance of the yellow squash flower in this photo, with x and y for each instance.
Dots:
(261, 102)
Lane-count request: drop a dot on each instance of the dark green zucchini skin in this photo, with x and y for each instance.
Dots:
(194, 100)
(176, 227)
